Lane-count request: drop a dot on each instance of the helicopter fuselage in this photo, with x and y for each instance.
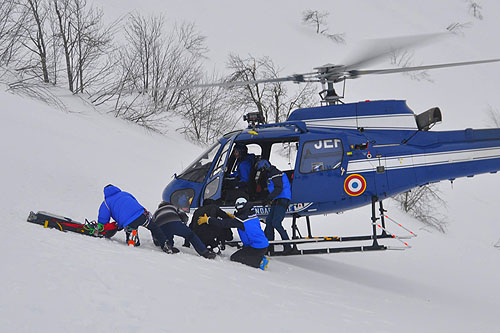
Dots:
(340, 157)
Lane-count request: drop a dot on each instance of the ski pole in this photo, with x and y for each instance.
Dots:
(399, 224)
(393, 236)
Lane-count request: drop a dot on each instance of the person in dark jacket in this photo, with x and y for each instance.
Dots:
(212, 236)
(128, 213)
(254, 241)
(279, 196)
(168, 221)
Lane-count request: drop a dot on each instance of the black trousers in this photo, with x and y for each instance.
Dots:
(142, 220)
(249, 256)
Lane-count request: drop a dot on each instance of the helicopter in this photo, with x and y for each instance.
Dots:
(341, 155)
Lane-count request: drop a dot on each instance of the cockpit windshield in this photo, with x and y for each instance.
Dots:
(197, 170)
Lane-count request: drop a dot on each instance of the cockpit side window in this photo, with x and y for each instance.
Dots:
(221, 160)
(321, 155)
(197, 171)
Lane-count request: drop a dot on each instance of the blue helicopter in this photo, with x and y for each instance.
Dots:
(341, 156)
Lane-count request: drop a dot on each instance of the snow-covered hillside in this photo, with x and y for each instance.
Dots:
(59, 161)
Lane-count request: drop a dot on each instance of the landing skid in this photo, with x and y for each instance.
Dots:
(298, 239)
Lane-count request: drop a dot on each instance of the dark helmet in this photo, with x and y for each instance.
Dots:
(262, 165)
(241, 148)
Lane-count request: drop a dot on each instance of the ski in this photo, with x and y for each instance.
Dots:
(49, 220)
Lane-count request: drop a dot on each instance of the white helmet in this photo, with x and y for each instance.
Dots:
(240, 203)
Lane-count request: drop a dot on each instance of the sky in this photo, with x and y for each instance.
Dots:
(58, 161)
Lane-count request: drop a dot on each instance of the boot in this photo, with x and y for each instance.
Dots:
(208, 254)
(263, 263)
(132, 237)
(170, 249)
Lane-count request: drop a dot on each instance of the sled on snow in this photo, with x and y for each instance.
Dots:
(89, 228)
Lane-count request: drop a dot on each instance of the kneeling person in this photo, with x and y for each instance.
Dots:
(168, 221)
(210, 234)
(254, 241)
(124, 208)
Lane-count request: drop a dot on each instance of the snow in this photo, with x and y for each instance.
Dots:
(59, 161)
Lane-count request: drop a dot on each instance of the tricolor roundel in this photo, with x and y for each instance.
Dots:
(354, 185)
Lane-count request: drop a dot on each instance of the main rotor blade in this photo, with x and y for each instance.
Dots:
(306, 77)
(375, 49)
(356, 73)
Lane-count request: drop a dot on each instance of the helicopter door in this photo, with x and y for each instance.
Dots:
(213, 187)
(319, 169)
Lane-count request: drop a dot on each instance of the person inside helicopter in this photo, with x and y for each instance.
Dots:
(237, 184)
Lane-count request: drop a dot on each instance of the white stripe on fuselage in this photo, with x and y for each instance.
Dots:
(396, 121)
(426, 159)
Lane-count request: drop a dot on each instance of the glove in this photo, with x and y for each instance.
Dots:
(203, 219)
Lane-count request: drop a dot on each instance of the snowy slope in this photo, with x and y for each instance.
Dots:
(59, 161)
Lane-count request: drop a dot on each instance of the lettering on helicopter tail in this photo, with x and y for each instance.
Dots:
(298, 207)
(262, 210)
(354, 185)
(293, 208)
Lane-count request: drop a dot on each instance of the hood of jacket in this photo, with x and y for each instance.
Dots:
(111, 190)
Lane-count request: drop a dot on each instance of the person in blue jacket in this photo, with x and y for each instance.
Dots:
(124, 208)
(279, 196)
(254, 241)
(240, 178)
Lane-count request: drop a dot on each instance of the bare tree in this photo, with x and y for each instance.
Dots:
(475, 9)
(315, 19)
(93, 41)
(35, 31)
(207, 114)
(63, 13)
(84, 41)
(11, 25)
(272, 100)
(156, 67)
(423, 203)
(318, 20)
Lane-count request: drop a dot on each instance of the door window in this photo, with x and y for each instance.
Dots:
(283, 155)
(321, 155)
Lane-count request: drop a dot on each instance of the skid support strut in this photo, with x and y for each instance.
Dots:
(374, 221)
(295, 229)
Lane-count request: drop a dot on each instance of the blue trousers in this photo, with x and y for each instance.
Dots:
(166, 232)
(275, 218)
